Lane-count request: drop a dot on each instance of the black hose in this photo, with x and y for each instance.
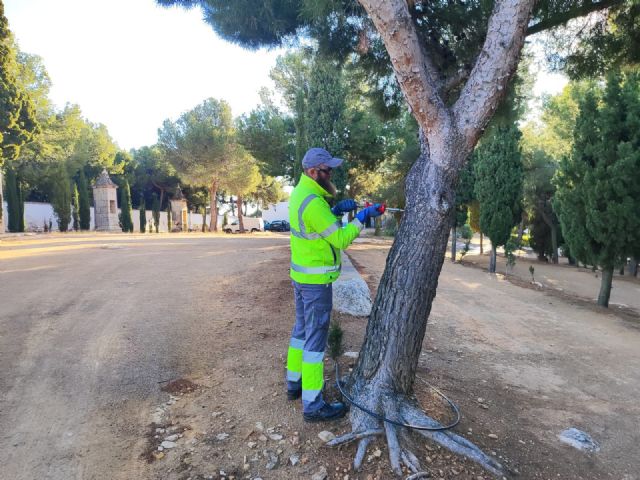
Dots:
(382, 418)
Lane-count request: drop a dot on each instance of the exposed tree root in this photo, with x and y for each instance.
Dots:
(404, 410)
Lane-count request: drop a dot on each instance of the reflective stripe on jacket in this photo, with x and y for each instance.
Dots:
(317, 236)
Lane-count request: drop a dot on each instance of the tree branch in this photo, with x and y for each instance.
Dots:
(564, 17)
(414, 69)
(493, 68)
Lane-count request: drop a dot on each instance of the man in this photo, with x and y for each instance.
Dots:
(317, 237)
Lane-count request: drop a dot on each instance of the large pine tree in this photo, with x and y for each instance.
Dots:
(598, 196)
(452, 62)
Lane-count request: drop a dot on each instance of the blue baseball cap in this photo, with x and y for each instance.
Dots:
(319, 156)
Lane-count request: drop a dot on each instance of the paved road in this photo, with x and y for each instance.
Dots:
(90, 327)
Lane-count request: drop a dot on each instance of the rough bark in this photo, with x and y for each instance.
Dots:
(605, 286)
(213, 192)
(383, 377)
(399, 317)
(481, 244)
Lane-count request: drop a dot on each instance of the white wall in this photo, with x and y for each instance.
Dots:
(36, 214)
(279, 211)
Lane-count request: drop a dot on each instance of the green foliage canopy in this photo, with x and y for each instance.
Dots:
(598, 194)
(17, 113)
(498, 182)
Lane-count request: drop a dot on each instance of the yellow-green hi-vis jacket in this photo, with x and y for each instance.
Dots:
(317, 236)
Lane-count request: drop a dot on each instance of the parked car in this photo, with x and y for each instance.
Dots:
(267, 225)
(250, 225)
(279, 226)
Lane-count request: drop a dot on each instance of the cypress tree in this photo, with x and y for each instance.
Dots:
(75, 210)
(598, 196)
(60, 196)
(125, 208)
(83, 202)
(11, 191)
(20, 203)
(143, 215)
(498, 185)
(155, 209)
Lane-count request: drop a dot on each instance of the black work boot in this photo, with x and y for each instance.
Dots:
(328, 412)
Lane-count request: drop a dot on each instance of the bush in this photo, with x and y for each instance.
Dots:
(465, 232)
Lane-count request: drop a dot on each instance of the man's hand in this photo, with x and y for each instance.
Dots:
(344, 206)
(369, 212)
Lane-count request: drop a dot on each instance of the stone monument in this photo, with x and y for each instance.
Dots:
(105, 203)
(179, 212)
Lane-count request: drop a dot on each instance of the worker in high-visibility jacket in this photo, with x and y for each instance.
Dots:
(317, 237)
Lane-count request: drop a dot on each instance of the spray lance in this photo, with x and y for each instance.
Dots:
(382, 208)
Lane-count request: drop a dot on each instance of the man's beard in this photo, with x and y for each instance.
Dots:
(325, 183)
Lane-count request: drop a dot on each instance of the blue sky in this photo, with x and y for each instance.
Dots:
(130, 64)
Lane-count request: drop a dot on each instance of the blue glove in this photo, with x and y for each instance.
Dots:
(344, 206)
(369, 212)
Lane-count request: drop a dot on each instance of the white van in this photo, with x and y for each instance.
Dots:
(250, 225)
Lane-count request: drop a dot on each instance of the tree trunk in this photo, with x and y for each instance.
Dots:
(453, 244)
(393, 341)
(633, 266)
(605, 287)
(377, 223)
(552, 222)
(213, 200)
(493, 259)
(554, 243)
(240, 216)
(481, 242)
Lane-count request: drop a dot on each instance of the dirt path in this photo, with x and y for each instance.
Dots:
(568, 280)
(89, 335)
(538, 363)
(111, 344)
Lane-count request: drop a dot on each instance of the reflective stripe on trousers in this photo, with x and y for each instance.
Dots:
(305, 366)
